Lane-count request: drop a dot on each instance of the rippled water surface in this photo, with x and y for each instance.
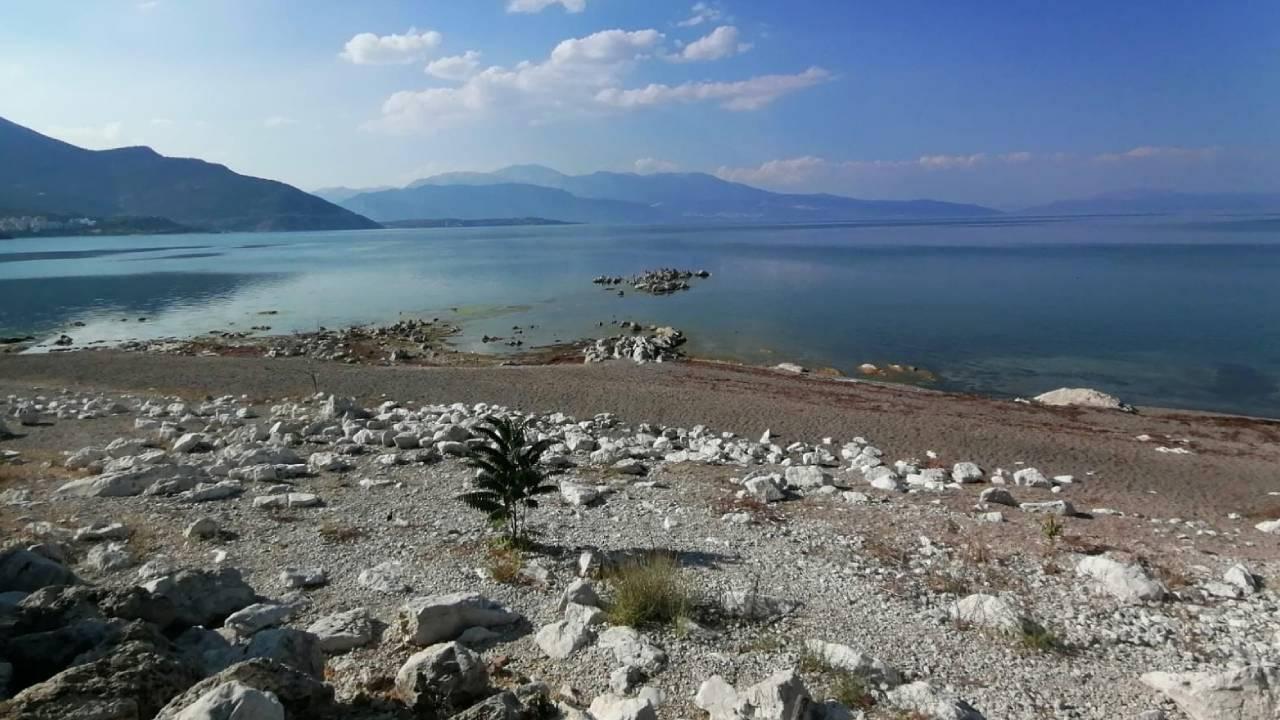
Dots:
(1159, 311)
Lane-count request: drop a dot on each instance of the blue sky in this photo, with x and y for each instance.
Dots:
(1004, 103)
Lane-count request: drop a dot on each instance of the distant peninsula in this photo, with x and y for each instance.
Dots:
(478, 222)
(14, 226)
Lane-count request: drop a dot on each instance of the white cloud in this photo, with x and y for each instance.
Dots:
(94, 138)
(455, 67)
(537, 6)
(701, 13)
(146, 5)
(945, 162)
(1149, 152)
(371, 49)
(579, 76)
(606, 46)
(566, 81)
(278, 121)
(719, 43)
(648, 165)
(750, 94)
(791, 171)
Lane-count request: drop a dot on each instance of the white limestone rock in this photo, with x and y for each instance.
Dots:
(1128, 583)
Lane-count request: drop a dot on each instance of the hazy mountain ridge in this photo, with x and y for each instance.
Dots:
(1161, 202)
(43, 175)
(661, 197)
(474, 202)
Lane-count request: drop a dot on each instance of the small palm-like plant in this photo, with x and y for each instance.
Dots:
(509, 477)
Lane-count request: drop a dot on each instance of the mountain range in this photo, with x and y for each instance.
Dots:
(41, 175)
(1162, 202)
(609, 197)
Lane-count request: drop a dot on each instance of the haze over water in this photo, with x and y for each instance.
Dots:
(1159, 311)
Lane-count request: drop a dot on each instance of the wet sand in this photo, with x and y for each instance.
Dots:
(1236, 460)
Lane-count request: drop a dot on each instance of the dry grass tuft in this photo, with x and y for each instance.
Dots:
(504, 564)
(336, 532)
(649, 590)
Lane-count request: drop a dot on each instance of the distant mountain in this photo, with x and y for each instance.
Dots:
(41, 175)
(1162, 202)
(691, 197)
(338, 194)
(506, 200)
(477, 222)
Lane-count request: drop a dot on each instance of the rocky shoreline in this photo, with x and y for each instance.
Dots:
(307, 557)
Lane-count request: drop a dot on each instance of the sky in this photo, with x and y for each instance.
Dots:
(1005, 103)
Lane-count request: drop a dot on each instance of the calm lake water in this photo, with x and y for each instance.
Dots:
(1158, 311)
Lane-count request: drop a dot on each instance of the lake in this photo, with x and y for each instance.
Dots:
(1159, 311)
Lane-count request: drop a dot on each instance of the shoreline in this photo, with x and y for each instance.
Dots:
(748, 400)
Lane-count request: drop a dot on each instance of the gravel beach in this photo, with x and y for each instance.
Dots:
(288, 530)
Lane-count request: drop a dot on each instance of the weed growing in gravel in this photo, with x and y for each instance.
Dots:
(505, 563)
(336, 532)
(851, 691)
(1040, 639)
(650, 590)
(845, 687)
(1051, 529)
(509, 477)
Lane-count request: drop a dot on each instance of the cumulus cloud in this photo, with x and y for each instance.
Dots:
(537, 6)
(371, 49)
(93, 137)
(579, 76)
(720, 43)
(751, 94)
(455, 67)
(566, 80)
(648, 165)
(701, 13)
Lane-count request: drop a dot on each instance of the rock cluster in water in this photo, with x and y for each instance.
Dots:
(658, 345)
(662, 281)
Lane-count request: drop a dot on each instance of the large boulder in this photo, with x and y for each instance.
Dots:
(629, 647)
(930, 702)
(343, 631)
(530, 701)
(1247, 693)
(234, 701)
(992, 612)
(132, 481)
(444, 675)
(1082, 397)
(296, 648)
(843, 657)
(807, 477)
(1126, 582)
(203, 597)
(439, 618)
(617, 707)
(781, 696)
(564, 637)
(23, 570)
(302, 695)
(133, 682)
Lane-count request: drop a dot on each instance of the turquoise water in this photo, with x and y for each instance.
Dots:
(1158, 311)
